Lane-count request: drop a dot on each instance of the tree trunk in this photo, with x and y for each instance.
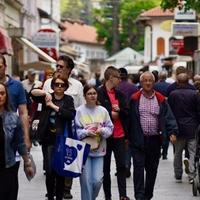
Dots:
(115, 26)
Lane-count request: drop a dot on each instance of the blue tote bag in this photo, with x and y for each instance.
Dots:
(69, 156)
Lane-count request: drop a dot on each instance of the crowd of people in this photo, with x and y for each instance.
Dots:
(135, 122)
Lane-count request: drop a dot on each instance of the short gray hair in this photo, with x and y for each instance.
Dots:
(147, 73)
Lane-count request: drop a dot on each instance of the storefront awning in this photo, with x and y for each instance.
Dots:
(68, 50)
(34, 48)
(38, 65)
(5, 42)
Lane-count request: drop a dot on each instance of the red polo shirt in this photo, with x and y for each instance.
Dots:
(118, 130)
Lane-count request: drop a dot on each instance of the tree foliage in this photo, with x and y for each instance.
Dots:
(130, 29)
(171, 4)
(71, 9)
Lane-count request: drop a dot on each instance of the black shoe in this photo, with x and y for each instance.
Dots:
(46, 195)
(128, 173)
(124, 198)
(164, 157)
(67, 195)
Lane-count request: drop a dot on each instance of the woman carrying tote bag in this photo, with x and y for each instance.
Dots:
(94, 125)
(61, 114)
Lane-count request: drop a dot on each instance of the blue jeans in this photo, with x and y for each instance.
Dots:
(91, 178)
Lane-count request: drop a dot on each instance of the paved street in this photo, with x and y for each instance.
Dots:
(165, 189)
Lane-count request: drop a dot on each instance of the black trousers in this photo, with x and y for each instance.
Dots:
(146, 160)
(54, 182)
(118, 148)
(9, 182)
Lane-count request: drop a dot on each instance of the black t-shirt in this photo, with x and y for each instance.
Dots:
(55, 124)
(2, 145)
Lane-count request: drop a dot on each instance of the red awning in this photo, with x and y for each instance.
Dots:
(5, 42)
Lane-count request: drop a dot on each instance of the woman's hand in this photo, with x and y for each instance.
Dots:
(92, 134)
(48, 97)
(172, 138)
(49, 103)
(28, 169)
(115, 115)
(98, 131)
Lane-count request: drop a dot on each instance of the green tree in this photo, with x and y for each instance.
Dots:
(117, 23)
(171, 4)
(71, 9)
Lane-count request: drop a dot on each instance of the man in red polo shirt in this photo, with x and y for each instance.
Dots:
(116, 104)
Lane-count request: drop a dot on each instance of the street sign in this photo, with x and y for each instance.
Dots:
(184, 15)
(45, 39)
(185, 29)
(48, 41)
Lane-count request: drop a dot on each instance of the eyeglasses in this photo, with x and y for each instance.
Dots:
(62, 85)
(60, 66)
(91, 93)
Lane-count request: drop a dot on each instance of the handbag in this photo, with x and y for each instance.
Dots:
(69, 156)
(38, 125)
(93, 141)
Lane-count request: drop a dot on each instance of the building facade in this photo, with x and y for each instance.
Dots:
(157, 32)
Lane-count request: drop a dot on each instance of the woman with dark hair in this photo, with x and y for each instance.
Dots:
(61, 113)
(11, 140)
(93, 120)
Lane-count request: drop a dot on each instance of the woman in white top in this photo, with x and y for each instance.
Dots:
(93, 120)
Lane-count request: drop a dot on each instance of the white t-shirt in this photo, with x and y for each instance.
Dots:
(28, 85)
(75, 90)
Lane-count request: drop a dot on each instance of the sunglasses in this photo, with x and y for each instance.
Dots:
(60, 66)
(62, 85)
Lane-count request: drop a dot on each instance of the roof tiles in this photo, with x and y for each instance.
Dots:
(157, 12)
(79, 32)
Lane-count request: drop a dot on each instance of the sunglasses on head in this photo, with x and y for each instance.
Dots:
(60, 66)
(62, 85)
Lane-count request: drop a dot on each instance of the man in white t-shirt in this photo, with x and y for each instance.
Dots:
(75, 89)
(30, 81)
(64, 66)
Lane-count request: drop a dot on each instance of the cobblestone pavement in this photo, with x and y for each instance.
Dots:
(165, 188)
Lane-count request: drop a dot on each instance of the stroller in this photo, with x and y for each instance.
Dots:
(196, 182)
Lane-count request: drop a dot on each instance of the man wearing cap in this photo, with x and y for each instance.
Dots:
(28, 85)
(30, 81)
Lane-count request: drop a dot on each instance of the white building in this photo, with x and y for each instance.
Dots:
(157, 32)
(127, 56)
(50, 13)
(83, 39)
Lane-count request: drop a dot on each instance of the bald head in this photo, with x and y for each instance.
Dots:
(196, 77)
(182, 78)
(162, 75)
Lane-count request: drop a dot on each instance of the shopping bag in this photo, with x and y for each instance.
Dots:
(39, 125)
(93, 141)
(69, 156)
